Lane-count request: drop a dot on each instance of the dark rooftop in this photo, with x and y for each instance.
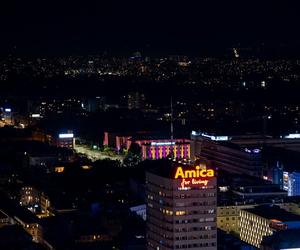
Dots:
(273, 212)
(13, 209)
(290, 159)
(155, 137)
(286, 239)
(247, 150)
(164, 167)
(269, 188)
(2, 215)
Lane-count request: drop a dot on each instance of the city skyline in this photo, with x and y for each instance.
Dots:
(149, 125)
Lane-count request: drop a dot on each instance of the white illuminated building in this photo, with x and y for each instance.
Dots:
(66, 140)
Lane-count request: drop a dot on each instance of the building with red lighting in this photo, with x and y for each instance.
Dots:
(153, 147)
(181, 206)
(116, 140)
(157, 149)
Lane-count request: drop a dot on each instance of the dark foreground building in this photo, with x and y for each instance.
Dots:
(282, 240)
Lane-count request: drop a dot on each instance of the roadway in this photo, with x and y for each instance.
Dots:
(94, 154)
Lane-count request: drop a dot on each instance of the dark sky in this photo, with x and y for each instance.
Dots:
(90, 26)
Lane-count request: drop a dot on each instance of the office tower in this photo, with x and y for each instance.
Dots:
(181, 206)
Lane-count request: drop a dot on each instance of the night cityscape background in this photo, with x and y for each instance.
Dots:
(149, 125)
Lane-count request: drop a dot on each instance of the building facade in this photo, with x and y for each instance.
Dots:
(181, 208)
(228, 218)
(152, 147)
(227, 155)
(66, 140)
(261, 221)
(159, 149)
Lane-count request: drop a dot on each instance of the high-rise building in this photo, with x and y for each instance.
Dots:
(181, 206)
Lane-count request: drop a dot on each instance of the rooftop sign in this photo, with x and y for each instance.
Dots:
(193, 177)
(66, 135)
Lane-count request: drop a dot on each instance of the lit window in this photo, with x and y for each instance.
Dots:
(180, 212)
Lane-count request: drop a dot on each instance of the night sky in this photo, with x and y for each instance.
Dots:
(191, 27)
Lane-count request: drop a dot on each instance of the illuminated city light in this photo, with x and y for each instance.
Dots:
(8, 110)
(216, 138)
(290, 248)
(71, 135)
(59, 169)
(162, 143)
(162, 149)
(194, 133)
(86, 167)
(254, 151)
(292, 136)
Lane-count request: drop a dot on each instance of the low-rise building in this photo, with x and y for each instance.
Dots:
(227, 155)
(153, 145)
(264, 220)
(4, 219)
(23, 217)
(228, 218)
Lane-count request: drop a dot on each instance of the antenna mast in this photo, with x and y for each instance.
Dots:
(172, 129)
